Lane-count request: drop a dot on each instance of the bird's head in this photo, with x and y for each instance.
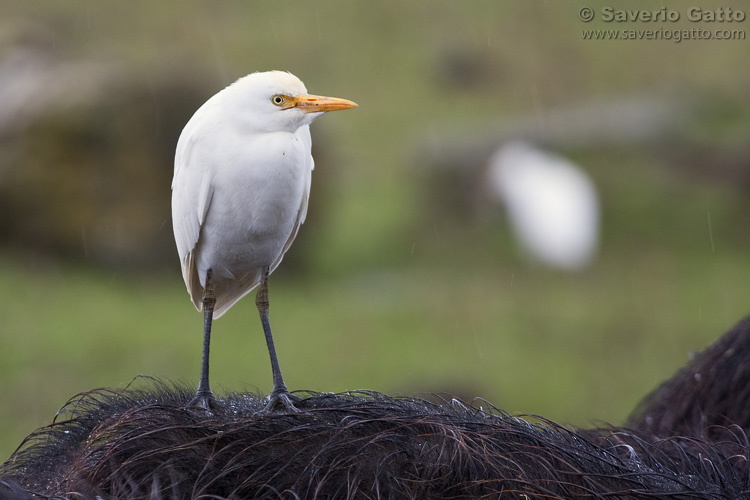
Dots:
(275, 101)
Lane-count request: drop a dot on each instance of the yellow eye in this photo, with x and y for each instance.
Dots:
(279, 100)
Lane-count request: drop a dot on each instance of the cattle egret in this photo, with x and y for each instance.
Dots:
(552, 205)
(239, 194)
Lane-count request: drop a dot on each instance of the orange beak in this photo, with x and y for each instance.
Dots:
(319, 104)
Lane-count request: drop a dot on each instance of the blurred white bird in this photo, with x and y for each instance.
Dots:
(552, 205)
(239, 194)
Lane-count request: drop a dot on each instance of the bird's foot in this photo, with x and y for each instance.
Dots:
(281, 401)
(204, 400)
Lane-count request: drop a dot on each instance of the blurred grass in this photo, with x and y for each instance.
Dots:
(395, 299)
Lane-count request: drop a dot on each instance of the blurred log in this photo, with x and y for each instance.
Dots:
(93, 182)
(659, 126)
(147, 444)
(88, 152)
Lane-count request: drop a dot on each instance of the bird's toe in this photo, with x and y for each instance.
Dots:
(281, 402)
(203, 400)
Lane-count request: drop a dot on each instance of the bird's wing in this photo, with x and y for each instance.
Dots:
(307, 141)
(300, 219)
(304, 135)
(192, 191)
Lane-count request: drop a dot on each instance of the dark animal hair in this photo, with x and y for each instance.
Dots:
(145, 444)
(706, 396)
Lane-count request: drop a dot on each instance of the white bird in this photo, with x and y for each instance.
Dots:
(552, 205)
(239, 194)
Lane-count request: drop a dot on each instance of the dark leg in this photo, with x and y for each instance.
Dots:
(280, 396)
(204, 398)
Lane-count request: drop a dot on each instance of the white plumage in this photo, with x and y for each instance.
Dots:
(552, 205)
(241, 185)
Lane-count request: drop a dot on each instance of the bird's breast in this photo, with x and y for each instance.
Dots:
(255, 204)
